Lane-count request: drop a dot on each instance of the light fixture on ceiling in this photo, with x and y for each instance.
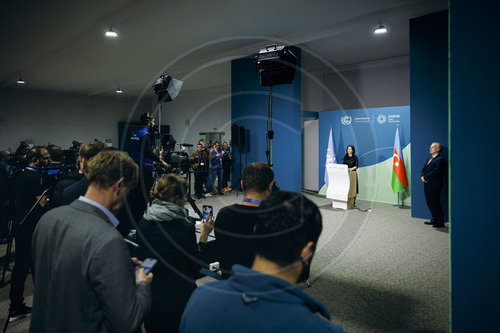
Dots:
(381, 29)
(20, 81)
(119, 91)
(111, 33)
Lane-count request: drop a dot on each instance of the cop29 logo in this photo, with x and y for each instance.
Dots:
(346, 120)
(381, 119)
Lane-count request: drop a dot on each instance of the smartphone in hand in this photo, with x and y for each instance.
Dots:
(147, 264)
(208, 212)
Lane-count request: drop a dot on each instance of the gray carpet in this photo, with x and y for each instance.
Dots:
(378, 271)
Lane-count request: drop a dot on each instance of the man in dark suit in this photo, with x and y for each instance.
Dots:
(433, 178)
(84, 278)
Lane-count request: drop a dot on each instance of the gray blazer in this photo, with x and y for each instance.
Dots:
(84, 278)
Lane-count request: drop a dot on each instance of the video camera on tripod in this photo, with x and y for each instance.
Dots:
(178, 161)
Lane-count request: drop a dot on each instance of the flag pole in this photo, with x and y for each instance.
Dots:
(398, 204)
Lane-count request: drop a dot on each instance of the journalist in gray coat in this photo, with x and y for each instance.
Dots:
(84, 277)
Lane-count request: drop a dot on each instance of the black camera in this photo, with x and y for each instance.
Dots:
(178, 162)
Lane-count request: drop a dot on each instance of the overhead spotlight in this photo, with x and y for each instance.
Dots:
(119, 91)
(381, 29)
(111, 33)
(20, 81)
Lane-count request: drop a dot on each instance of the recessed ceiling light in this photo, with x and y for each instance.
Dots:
(111, 33)
(381, 29)
(119, 91)
(20, 81)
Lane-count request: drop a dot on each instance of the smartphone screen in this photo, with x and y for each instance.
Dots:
(147, 264)
(208, 212)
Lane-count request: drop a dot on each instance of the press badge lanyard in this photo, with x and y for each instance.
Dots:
(202, 160)
(257, 202)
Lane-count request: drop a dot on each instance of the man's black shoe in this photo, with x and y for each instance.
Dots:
(438, 225)
(429, 222)
(17, 314)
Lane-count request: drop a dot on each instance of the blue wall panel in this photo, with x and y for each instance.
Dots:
(428, 99)
(249, 108)
(474, 120)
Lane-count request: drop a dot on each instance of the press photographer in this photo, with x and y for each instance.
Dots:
(29, 185)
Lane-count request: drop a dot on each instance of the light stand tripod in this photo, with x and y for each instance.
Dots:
(270, 132)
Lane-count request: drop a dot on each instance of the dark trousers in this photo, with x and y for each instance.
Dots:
(22, 263)
(226, 167)
(200, 177)
(433, 199)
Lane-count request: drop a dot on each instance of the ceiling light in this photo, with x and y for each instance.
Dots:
(119, 91)
(20, 81)
(381, 29)
(111, 33)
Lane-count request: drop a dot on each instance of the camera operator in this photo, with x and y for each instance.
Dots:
(200, 168)
(28, 186)
(141, 151)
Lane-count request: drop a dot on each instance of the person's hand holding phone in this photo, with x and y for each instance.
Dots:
(207, 223)
(141, 276)
(142, 270)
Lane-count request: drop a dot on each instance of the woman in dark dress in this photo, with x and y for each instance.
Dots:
(166, 234)
(352, 163)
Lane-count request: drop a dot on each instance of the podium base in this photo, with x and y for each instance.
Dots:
(339, 204)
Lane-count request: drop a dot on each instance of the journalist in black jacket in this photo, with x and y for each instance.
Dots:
(166, 234)
(433, 178)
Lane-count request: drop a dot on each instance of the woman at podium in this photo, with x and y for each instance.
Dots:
(352, 162)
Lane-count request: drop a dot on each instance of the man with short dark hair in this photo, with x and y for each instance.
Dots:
(215, 170)
(56, 158)
(84, 278)
(226, 165)
(235, 223)
(200, 169)
(266, 298)
(29, 186)
(77, 188)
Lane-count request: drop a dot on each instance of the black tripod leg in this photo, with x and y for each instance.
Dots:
(195, 208)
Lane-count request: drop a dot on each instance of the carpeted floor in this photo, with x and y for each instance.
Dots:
(378, 271)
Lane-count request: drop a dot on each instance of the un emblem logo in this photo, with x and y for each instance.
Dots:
(346, 120)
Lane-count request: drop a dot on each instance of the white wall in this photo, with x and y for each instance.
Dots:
(379, 83)
(193, 112)
(59, 118)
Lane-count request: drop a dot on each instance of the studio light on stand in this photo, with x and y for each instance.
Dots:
(167, 89)
(275, 65)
